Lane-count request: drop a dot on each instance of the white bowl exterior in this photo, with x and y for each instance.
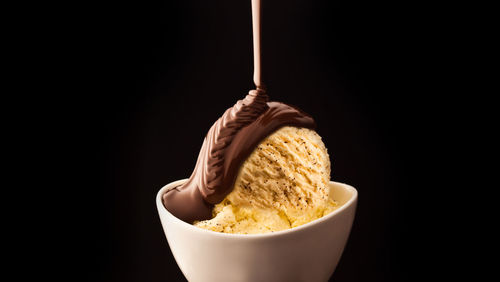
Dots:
(306, 253)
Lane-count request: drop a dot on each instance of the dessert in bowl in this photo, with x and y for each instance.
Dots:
(309, 252)
(259, 205)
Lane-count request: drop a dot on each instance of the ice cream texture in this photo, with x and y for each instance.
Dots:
(282, 184)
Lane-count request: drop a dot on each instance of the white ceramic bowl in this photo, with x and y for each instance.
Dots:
(306, 253)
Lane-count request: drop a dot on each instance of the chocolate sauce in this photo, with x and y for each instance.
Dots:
(229, 142)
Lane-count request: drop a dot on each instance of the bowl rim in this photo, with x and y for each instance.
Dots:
(161, 209)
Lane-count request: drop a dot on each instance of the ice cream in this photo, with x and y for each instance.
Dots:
(261, 168)
(282, 184)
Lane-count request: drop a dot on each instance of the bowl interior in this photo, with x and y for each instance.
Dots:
(345, 195)
(341, 193)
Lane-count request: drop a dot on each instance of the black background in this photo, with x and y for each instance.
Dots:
(137, 85)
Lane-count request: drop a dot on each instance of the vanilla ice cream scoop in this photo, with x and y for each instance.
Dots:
(228, 143)
(282, 184)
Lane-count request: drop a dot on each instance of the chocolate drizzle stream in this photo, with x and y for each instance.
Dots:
(227, 144)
